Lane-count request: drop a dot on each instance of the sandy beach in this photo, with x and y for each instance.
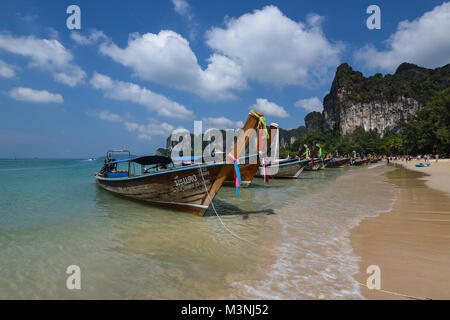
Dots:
(411, 243)
(437, 174)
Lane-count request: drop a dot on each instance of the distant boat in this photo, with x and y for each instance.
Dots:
(337, 163)
(281, 168)
(287, 168)
(190, 188)
(92, 159)
(317, 164)
(359, 162)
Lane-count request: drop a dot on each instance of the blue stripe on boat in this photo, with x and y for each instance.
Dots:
(162, 172)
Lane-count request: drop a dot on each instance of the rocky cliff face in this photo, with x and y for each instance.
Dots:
(380, 103)
(288, 137)
(380, 115)
(314, 122)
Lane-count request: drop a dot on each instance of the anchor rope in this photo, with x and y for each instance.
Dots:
(215, 211)
(396, 293)
(254, 244)
(381, 290)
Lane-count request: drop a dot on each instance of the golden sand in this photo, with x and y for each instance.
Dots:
(410, 244)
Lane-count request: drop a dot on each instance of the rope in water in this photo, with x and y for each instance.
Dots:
(220, 219)
(238, 237)
(396, 293)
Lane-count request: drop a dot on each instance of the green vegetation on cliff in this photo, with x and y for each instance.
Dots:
(430, 129)
(409, 80)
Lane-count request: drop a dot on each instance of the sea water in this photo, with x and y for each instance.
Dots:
(288, 239)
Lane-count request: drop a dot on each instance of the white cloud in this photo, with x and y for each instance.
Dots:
(272, 48)
(152, 128)
(221, 123)
(105, 115)
(310, 104)
(167, 58)
(70, 77)
(93, 36)
(424, 41)
(269, 108)
(38, 96)
(45, 54)
(182, 8)
(127, 91)
(6, 70)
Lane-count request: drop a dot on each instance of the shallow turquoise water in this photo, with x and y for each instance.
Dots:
(52, 215)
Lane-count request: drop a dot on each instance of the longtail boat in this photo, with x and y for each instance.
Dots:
(337, 163)
(281, 168)
(159, 182)
(316, 164)
(290, 168)
(359, 162)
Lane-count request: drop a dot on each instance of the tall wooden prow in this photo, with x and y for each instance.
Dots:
(245, 136)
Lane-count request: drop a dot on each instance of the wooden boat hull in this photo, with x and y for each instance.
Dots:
(337, 163)
(360, 162)
(284, 169)
(318, 164)
(181, 188)
(247, 171)
(190, 188)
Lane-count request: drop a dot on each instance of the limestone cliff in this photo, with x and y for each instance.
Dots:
(288, 137)
(377, 102)
(313, 121)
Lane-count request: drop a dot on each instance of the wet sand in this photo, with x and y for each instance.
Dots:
(437, 174)
(410, 244)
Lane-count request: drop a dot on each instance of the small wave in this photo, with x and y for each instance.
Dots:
(313, 256)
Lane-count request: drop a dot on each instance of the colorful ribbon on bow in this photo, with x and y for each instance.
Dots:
(237, 175)
(261, 120)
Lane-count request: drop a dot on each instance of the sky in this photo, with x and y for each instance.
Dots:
(135, 71)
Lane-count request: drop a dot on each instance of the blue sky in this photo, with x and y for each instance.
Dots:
(137, 70)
